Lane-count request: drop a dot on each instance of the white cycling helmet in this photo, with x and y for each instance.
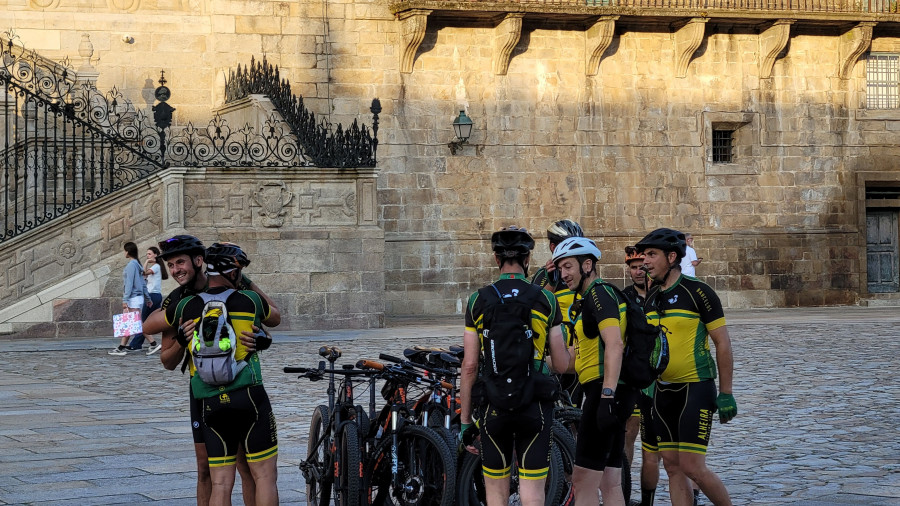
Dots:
(576, 247)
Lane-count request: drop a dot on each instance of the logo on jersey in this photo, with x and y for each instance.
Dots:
(674, 299)
(196, 424)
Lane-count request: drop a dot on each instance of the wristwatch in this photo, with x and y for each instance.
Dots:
(608, 392)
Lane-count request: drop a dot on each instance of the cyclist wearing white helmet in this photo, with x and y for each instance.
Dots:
(599, 343)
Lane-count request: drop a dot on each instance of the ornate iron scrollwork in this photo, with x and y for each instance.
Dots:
(354, 146)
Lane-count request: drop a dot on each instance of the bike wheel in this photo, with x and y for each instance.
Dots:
(426, 470)
(470, 481)
(565, 442)
(348, 485)
(626, 477)
(317, 474)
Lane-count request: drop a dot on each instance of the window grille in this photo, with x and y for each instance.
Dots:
(883, 81)
(722, 144)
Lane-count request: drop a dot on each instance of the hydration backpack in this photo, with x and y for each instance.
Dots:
(508, 373)
(214, 342)
(646, 346)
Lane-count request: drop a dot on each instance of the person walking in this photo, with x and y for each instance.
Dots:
(686, 397)
(154, 273)
(511, 326)
(134, 294)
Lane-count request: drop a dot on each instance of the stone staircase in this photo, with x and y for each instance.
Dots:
(880, 300)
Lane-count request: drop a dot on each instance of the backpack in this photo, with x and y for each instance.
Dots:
(214, 342)
(646, 346)
(508, 375)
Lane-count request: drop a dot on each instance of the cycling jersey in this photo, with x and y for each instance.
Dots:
(688, 309)
(600, 309)
(632, 294)
(245, 309)
(544, 315)
(549, 280)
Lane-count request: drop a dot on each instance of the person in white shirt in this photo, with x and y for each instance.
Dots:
(154, 273)
(690, 260)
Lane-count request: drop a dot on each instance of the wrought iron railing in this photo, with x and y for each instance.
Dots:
(326, 147)
(63, 144)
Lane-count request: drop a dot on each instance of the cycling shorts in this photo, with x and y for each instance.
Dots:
(196, 419)
(600, 447)
(236, 417)
(683, 414)
(648, 432)
(527, 431)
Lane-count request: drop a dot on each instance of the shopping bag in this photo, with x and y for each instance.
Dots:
(127, 324)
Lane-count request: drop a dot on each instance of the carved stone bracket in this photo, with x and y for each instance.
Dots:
(687, 39)
(506, 36)
(772, 42)
(853, 44)
(597, 39)
(412, 32)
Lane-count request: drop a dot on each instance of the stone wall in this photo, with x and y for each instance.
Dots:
(310, 233)
(623, 151)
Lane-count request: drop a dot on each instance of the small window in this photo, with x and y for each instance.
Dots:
(883, 81)
(722, 146)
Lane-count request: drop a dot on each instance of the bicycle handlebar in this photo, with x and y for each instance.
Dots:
(369, 364)
(300, 370)
(407, 363)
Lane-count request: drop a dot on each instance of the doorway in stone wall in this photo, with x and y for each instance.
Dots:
(882, 251)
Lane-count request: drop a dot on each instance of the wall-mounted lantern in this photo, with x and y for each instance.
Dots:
(462, 127)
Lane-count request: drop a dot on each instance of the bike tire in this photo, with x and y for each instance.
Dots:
(348, 485)
(565, 442)
(426, 467)
(626, 477)
(318, 492)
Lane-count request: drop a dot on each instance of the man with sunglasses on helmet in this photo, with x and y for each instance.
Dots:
(184, 256)
(521, 431)
(237, 413)
(685, 398)
(599, 346)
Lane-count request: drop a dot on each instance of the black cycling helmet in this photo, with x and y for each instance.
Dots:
(665, 239)
(224, 257)
(181, 245)
(562, 230)
(512, 242)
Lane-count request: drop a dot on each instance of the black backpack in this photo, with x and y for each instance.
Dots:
(508, 373)
(646, 346)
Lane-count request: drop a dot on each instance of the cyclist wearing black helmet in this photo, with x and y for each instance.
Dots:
(237, 413)
(685, 397)
(520, 426)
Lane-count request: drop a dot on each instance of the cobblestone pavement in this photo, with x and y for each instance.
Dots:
(819, 412)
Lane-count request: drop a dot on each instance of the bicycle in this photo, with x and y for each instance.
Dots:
(333, 457)
(409, 464)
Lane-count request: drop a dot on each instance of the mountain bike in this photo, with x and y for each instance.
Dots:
(333, 456)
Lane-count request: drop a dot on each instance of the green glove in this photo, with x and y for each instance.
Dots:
(245, 283)
(727, 407)
(462, 430)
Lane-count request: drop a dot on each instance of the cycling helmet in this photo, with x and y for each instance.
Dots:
(562, 230)
(224, 257)
(576, 247)
(665, 239)
(181, 245)
(511, 242)
(631, 254)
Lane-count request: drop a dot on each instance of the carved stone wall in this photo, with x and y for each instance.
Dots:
(311, 235)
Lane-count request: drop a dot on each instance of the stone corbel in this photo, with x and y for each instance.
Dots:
(597, 39)
(687, 39)
(772, 42)
(853, 44)
(412, 32)
(506, 36)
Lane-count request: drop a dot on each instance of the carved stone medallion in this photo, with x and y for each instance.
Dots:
(272, 198)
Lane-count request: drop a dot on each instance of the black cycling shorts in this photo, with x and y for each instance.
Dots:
(527, 431)
(238, 417)
(196, 419)
(683, 414)
(598, 448)
(648, 430)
